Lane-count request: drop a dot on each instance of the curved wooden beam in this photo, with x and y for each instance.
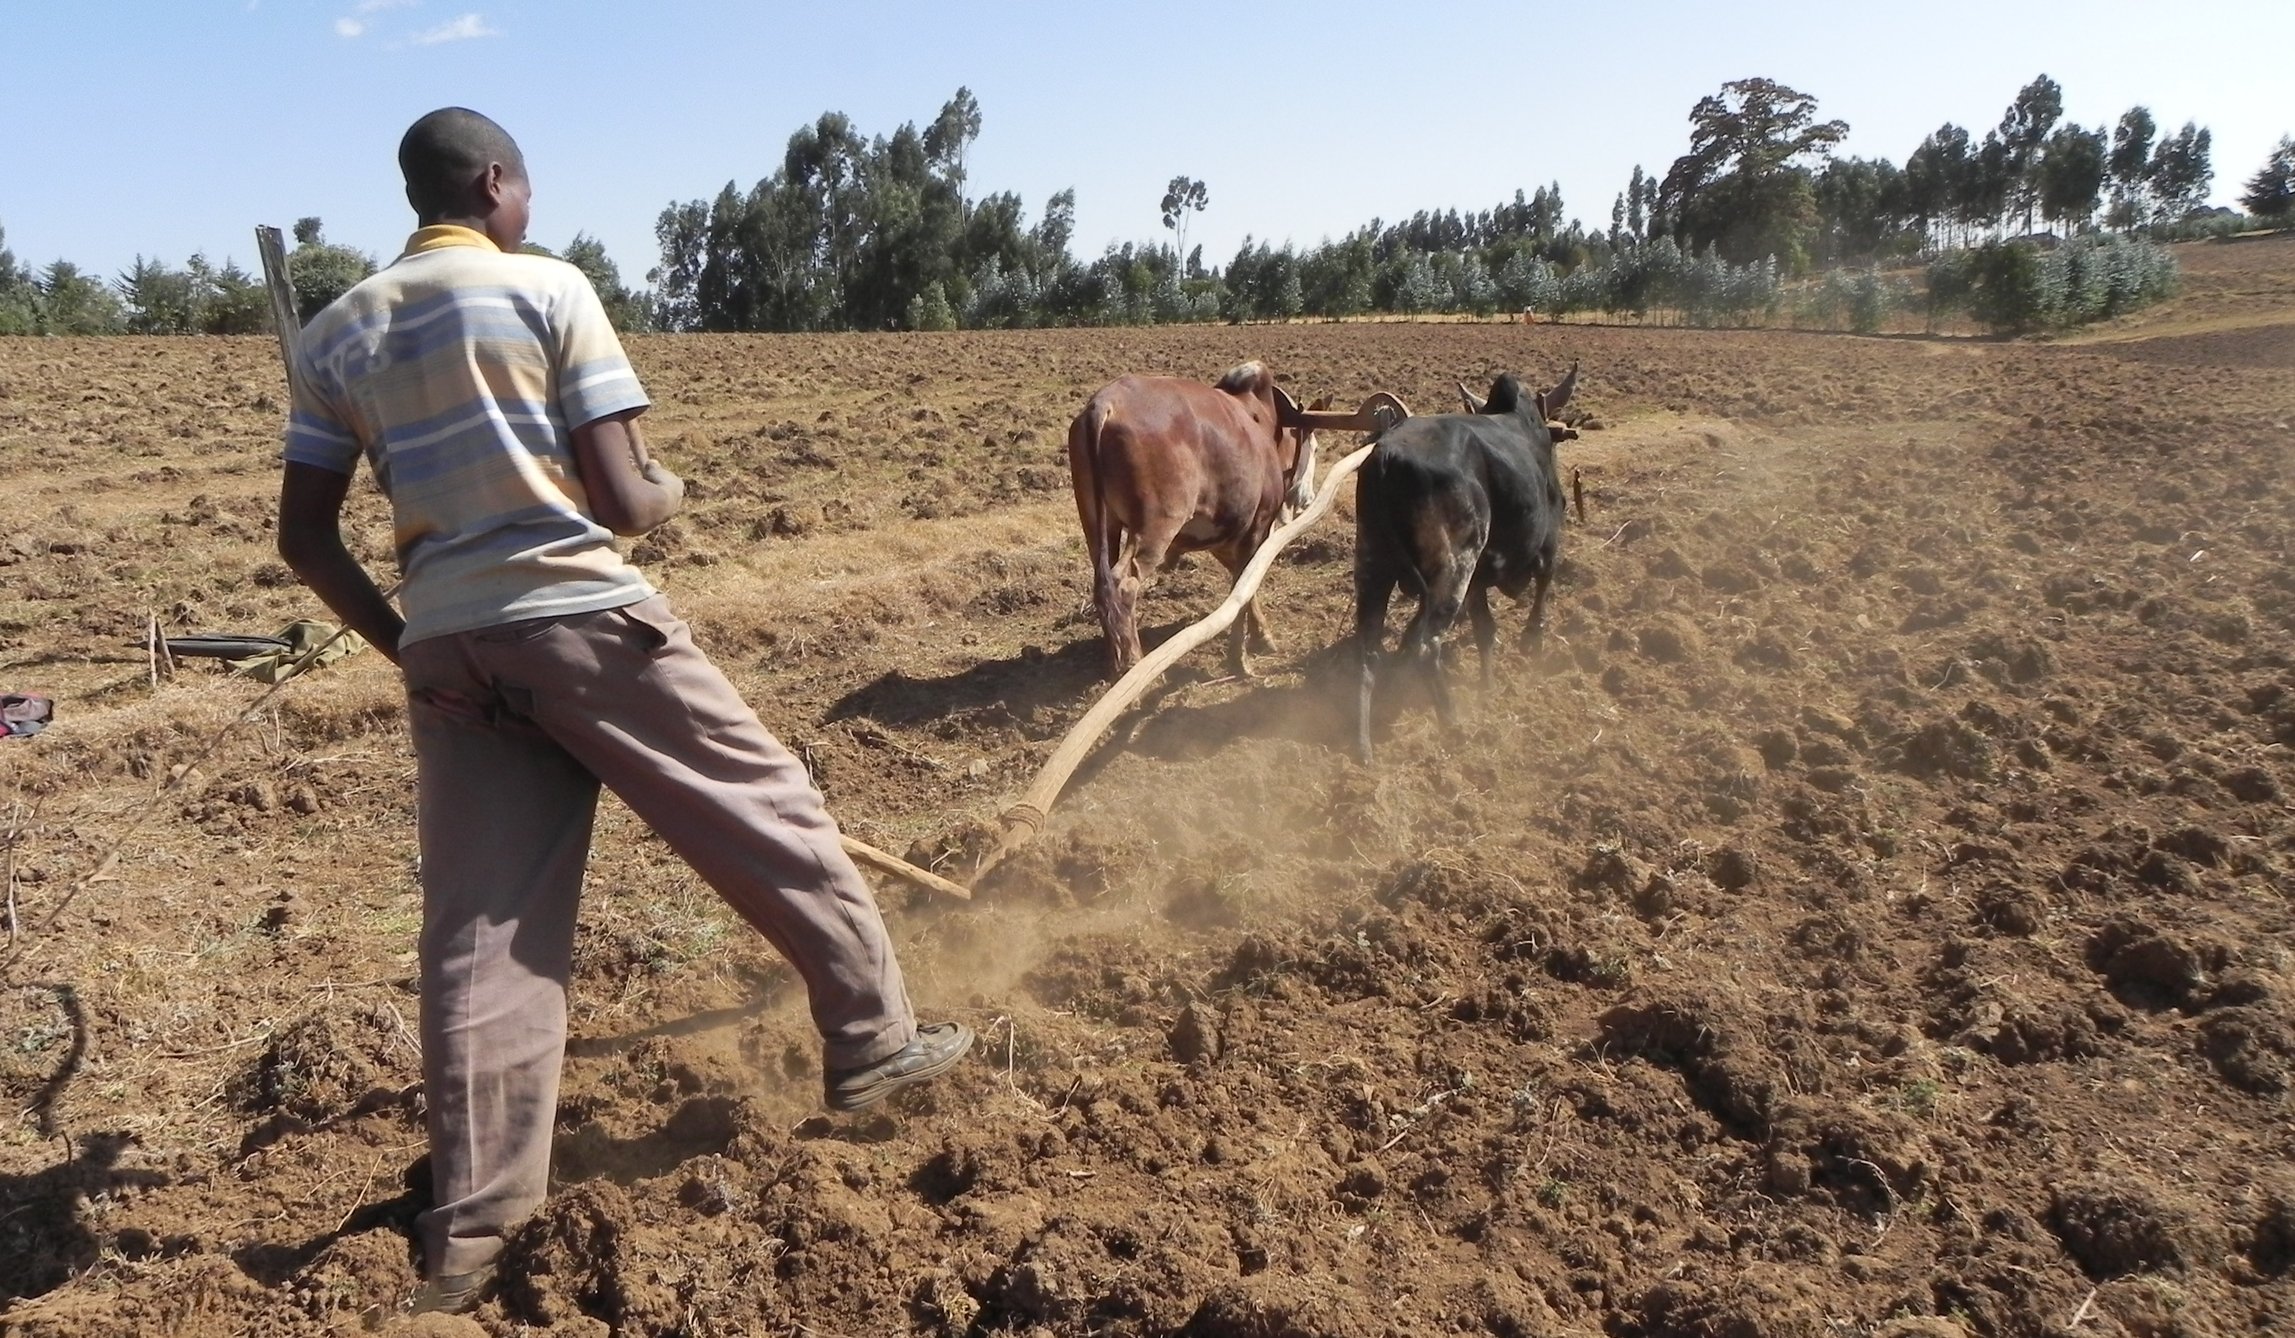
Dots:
(864, 853)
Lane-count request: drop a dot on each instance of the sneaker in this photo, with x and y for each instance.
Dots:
(935, 1051)
(450, 1293)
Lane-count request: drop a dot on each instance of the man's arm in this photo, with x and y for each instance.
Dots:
(311, 542)
(630, 493)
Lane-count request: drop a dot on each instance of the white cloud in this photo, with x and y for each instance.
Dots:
(349, 27)
(371, 6)
(460, 30)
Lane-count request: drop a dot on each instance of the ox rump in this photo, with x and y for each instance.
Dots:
(1449, 506)
(1163, 467)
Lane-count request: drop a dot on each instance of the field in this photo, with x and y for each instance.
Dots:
(1868, 916)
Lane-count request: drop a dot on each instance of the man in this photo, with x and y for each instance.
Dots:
(489, 394)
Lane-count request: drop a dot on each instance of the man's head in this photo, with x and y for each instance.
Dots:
(460, 167)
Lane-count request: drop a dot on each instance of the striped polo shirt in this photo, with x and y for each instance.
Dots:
(460, 372)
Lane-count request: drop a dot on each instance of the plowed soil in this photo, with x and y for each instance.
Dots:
(1868, 915)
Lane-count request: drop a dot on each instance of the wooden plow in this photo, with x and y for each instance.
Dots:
(1024, 817)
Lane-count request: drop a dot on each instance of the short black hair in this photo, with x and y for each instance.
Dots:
(447, 150)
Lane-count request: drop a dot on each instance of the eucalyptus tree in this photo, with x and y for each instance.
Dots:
(2270, 192)
(1744, 187)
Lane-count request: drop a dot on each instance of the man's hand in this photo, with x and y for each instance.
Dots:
(670, 484)
(311, 542)
(630, 493)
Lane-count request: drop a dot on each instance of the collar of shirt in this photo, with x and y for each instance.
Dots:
(440, 235)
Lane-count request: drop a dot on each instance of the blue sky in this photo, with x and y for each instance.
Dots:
(171, 126)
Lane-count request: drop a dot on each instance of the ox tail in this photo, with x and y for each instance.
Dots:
(1085, 466)
(1375, 501)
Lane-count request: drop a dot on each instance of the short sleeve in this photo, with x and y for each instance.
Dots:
(316, 432)
(595, 378)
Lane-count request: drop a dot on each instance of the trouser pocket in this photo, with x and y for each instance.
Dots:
(651, 624)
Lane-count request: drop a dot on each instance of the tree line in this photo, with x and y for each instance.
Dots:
(153, 298)
(853, 232)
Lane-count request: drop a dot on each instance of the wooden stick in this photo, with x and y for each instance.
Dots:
(864, 853)
(8, 878)
(272, 248)
(1024, 817)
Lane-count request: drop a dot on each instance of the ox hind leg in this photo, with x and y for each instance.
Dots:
(1147, 551)
(1122, 622)
(1248, 635)
(1445, 596)
(1534, 630)
(1485, 629)
(1108, 543)
(1374, 587)
(1115, 595)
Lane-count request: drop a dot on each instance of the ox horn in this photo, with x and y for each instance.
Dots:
(1466, 397)
(1550, 402)
(1286, 408)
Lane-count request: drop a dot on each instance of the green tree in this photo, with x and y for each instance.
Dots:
(197, 299)
(951, 133)
(73, 303)
(2130, 165)
(1053, 231)
(1935, 179)
(238, 303)
(1182, 196)
(1985, 186)
(2270, 192)
(929, 310)
(851, 231)
(2180, 171)
(2024, 134)
(1862, 209)
(320, 271)
(2071, 175)
(158, 300)
(631, 313)
(1742, 187)
(19, 294)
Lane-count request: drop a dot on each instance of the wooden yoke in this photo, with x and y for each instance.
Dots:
(1376, 414)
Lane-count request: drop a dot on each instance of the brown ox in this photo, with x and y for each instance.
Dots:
(1164, 467)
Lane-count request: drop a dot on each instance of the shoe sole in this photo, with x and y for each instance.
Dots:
(432, 1299)
(850, 1099)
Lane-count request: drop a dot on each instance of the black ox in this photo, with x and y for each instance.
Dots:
(1449, 506)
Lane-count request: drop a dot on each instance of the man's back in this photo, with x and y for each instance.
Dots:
(459, 371)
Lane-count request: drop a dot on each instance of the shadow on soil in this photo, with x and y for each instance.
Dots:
(43, 1239)
(700, 1125)
(275, 1263)
(1034, 688)
(1019, 686)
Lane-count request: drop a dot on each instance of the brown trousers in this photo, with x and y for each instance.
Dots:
(514, 728)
